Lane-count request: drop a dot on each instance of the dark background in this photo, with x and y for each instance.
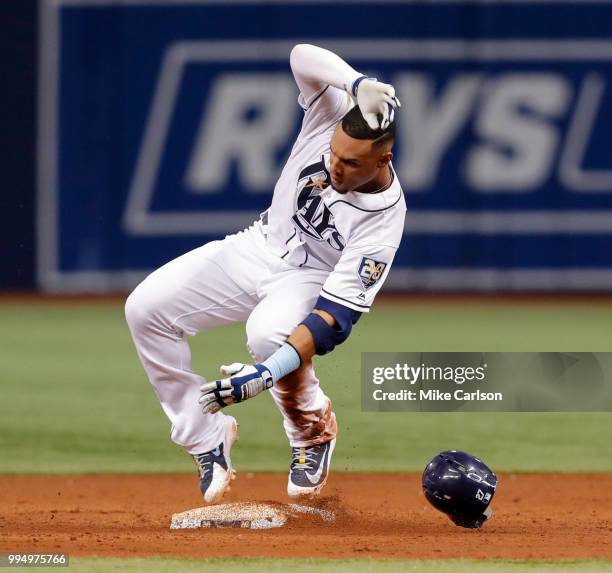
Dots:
(18, 44)
(18, 102)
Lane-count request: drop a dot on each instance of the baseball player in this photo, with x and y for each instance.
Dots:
(300, 276)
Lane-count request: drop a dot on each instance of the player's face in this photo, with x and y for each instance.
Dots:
(353, 162)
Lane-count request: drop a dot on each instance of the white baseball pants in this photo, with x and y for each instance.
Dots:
(222, 282)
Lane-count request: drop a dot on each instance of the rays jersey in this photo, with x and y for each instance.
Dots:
(352, 235)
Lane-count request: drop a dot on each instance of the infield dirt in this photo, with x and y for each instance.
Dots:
(544, 516)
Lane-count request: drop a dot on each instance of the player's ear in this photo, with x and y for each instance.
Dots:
(384, 159)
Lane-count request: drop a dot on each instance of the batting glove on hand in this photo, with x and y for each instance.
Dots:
(375, 100)
(242, 382)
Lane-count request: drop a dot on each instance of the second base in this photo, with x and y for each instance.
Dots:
(245, 515)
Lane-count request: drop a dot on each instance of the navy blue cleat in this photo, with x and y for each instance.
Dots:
(309, 469)
(215, 467)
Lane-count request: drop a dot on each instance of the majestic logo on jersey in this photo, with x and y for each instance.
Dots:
(313, 217)
(370, 271)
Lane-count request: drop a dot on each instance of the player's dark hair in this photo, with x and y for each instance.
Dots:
(355, 126)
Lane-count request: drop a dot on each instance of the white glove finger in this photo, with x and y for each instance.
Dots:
(390, 93)
(214, 396)
(371, 120)
(225, 395)
(389, 90)
(208, 387)
(385, 113)
(214, 393)
(212, 386)
(231, 369)
(206, 398)
(392, 101)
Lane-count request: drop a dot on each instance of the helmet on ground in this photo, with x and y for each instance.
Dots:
(461, 486)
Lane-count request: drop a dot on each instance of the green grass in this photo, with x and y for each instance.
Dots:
(73, 397)
(253, 565)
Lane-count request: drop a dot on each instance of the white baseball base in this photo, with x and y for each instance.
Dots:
(245, 515)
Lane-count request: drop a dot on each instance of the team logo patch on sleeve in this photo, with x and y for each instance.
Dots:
(370, 271)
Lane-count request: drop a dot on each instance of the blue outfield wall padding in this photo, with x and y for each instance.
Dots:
(174, 120)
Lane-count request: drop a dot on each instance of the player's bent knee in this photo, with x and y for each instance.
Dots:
(260, 349)
(139, 309)
(133, 313)
(262, 342)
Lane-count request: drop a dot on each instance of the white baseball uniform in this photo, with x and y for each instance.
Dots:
(311, 242)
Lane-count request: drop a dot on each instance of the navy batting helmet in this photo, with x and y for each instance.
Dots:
(461, 486)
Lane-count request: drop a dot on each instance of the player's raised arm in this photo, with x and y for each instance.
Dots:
(315, 68)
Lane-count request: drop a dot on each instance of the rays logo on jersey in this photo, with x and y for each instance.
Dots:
(313, 217)
(370, 271)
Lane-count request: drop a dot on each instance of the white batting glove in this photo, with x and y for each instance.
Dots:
(243, 382)
(375, 99)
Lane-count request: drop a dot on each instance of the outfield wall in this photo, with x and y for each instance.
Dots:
(163, 125)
